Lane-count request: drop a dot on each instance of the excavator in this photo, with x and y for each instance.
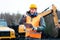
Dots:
(51, 21)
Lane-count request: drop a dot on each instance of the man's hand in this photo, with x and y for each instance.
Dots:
(34, 28)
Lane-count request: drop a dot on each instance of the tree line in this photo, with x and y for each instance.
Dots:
(12, 19)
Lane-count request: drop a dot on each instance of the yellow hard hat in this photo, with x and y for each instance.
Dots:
(33, 6)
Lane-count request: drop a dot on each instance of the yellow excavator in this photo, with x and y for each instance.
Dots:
(52, 14)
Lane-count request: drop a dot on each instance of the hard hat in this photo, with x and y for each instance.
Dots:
(33, 6)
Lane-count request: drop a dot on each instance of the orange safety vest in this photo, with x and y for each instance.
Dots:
(34, 21)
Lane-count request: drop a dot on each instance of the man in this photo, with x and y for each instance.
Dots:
(32, 17)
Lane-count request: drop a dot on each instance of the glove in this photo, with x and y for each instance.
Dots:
(39, 30)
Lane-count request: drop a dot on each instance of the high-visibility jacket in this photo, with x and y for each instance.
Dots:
(35, 21)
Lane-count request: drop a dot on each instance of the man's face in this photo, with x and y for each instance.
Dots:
(32, 10)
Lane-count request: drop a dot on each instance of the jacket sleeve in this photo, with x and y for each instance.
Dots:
(22, 19)
(42, 24)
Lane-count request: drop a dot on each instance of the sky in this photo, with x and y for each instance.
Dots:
(21, 6)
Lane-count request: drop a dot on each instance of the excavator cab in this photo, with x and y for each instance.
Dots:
(50, 29)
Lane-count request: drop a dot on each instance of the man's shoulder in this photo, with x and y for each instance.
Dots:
(24, 16)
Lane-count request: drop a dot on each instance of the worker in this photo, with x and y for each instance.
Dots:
(32, 16)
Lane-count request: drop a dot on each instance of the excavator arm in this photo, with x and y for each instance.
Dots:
(54, 13)
(45, 13)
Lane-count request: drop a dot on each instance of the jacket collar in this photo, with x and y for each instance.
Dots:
(32, 15)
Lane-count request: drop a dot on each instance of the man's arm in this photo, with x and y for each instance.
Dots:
(42, 24)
